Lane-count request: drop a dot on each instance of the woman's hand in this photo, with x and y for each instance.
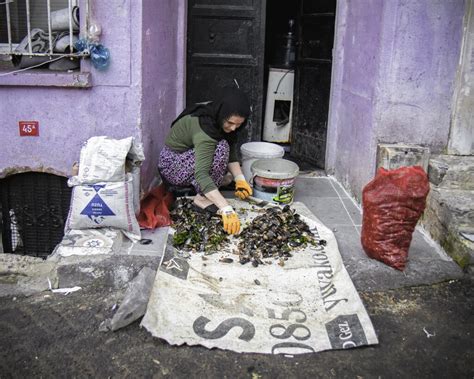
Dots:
(242, 188)
(229, 217)
(230, 220)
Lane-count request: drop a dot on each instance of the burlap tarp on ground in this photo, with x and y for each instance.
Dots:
(307, 305)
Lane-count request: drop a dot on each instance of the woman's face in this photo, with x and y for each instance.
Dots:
(232, 123)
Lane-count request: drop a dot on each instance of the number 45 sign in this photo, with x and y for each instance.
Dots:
(29, 128)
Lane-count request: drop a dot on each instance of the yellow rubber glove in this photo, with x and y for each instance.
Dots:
(230, 220)
(242, 188)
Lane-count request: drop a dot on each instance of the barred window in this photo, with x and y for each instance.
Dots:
(39, 33)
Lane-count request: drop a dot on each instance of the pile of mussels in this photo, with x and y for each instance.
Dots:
(196, 231)
(272, 234)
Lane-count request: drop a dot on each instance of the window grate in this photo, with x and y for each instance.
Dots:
(34, 210)
(40, 29)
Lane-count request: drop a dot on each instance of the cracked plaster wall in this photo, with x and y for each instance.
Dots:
(394, 71)
(136, 96)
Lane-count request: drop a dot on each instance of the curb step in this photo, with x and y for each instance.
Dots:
(449, 214)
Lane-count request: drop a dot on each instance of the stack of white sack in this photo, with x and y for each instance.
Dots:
(106, 190)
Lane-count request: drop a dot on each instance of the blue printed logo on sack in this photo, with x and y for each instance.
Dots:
(97, 209)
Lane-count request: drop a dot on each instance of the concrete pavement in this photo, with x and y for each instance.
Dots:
(424, 331)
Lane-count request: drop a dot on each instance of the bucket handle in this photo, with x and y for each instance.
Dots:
(251, 179)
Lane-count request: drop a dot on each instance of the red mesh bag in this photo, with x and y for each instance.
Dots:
(154, 208)
(392, 203)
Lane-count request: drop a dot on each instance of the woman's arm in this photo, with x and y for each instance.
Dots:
(216, 197)
(234, 168)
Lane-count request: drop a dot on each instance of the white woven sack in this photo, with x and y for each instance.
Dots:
(103, 159)
(104, 205)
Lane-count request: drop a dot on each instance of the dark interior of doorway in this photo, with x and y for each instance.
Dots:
(311, 24)
(236, 41)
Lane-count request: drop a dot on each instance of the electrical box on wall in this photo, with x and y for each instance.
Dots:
(279, 106)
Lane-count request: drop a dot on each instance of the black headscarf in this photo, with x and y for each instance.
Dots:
(229, 101)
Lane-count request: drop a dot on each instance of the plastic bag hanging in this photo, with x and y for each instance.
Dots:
(100, 56)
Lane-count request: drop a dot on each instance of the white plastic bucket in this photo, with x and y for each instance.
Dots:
(274, 180)
(252, 151)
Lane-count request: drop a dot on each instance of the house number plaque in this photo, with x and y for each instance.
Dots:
(29, 128)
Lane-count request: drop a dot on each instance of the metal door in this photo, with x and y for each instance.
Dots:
(315, 24)
(226, 42)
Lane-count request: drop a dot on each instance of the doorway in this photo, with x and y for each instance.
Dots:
(248, 42)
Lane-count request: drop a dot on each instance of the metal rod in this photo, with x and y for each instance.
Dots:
(28, 24)
(82, 54)
(49, 28)
(70, 25)
(9, 26)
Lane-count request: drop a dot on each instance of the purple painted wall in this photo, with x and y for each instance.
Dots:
(136, 96)
(69, 116)
(393, 74)
(393, 78)
(163, 82)
(355, 64)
